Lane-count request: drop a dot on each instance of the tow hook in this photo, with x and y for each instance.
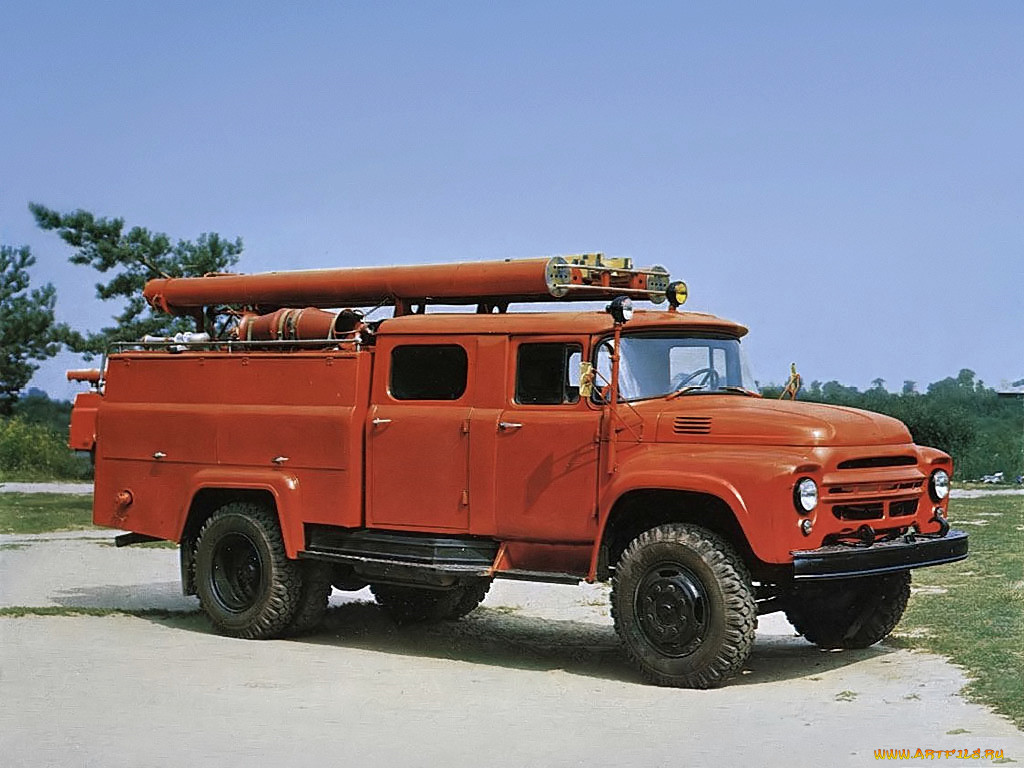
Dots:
(915, 532)
(864, 536)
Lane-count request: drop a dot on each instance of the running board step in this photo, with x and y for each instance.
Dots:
(362, 545)
(551, 578)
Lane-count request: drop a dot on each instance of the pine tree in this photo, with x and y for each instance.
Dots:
(132, 258)
(27, 328)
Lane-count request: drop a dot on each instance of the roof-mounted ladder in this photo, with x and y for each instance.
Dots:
(491, 285)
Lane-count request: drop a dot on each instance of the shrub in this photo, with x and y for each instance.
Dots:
(35, 452)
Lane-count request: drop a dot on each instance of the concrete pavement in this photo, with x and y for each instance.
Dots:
(532, 678)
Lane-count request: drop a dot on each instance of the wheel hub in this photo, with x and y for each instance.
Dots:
(672, 607)
(238, 573)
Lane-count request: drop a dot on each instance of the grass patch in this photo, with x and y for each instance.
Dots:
(20, 611)
(143, 545)
(978, 621)
(44, 512)
(1006, 485)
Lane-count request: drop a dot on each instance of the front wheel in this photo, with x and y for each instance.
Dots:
(683, 606)
(245, 581)
(849, 613)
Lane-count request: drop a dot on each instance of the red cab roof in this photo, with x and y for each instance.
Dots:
(446, 323)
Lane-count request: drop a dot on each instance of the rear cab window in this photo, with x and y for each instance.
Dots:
(428, 372)
(547, 373)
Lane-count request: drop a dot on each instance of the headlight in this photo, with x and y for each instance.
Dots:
(805, 495)
(938, 485)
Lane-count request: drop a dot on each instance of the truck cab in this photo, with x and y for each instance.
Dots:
(430, 452)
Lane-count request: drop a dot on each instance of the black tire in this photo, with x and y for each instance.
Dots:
(316, 591)
(408, 605)
(472, 596)
(245, 582)
(345, 579)
(683, 607)
(849, 613)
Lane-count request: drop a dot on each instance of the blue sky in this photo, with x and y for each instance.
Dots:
(845, 178)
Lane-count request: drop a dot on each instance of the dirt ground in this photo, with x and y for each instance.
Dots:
(532, 678)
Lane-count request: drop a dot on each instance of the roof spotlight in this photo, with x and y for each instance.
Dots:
(621, 309)
(676, 293)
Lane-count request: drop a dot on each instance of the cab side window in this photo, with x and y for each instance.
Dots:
(548, 373)
(429, 372)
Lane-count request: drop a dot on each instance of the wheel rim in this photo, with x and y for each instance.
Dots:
(239, 576)
(673, 610)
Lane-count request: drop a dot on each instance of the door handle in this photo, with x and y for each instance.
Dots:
(505, 426)
(375, 422)
(159, 455)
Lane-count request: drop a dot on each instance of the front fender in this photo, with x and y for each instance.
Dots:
(671, 480)
(655, 475)
(283, 486)
(751, 481)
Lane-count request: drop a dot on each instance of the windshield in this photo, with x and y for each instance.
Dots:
(657, 364)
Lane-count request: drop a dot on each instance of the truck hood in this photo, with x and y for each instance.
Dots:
(748, 420)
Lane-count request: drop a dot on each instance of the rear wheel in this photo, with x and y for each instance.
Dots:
(849, 613)
(472, 596)
(683, 606)
(345, 579)
(408, 605)
(316, 591)
(245, 581)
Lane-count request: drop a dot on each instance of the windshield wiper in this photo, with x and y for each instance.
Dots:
(741, 391)
(694, 387)
(683, 391)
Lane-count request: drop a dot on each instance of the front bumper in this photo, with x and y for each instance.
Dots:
(844, 561)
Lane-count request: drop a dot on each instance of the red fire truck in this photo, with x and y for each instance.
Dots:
(427, 453)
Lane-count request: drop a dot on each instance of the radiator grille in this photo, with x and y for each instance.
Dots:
(874, 510)
(859, 511)
(901, 508)
(873, 487)
(871, 462)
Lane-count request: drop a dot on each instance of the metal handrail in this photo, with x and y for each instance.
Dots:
(214, 344)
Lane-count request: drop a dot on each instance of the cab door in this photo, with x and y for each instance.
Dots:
(418, 435)
(547, 446)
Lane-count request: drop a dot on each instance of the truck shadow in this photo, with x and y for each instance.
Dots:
(509, 638)
(500, 636)
(134, 599)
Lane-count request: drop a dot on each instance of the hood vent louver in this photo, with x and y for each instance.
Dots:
(691, 425)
